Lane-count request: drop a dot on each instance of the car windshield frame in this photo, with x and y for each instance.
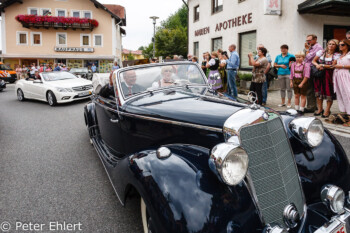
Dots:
(46, 79)
(123, 99)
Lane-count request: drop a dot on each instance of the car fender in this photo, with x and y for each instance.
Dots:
(91, 119)
(182, 194)
(324, 164)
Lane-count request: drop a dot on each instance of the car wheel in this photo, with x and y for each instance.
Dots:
(51, 98)
(20, 95)
(147, 223)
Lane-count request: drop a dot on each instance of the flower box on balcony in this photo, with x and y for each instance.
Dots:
(56, 22)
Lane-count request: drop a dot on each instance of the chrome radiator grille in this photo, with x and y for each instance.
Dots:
(82, 88)
(272, 168)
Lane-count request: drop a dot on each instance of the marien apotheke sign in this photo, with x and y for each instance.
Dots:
(227, 24)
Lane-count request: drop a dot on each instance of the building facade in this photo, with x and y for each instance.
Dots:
(137, 54)
(216, 24)
(77, 33)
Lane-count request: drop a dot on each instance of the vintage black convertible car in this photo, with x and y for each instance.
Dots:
(201, 162)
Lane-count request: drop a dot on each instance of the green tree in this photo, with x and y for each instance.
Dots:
(131, 57)
(171, 41)
(148, 51)
(141, 48)
(171, 36)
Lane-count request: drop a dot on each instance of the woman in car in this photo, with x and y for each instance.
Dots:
(166, 78)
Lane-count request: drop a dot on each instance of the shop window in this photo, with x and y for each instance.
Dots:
(216, 44)
(36, 38)
(45, 11)
(33, 11)
(87, 14)
(247, 44)
(61, 12)
(217, 6)
(196, 49)
(22, 38)
(84, 40)
(61, 39)
(76, 14)
(98, 41)
(196, 13)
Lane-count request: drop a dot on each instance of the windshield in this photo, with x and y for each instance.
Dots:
(79, 70)
(4, 67)
(157, 77)
(55, 76)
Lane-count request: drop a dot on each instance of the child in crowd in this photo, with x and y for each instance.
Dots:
(214, 75)
(300, 72)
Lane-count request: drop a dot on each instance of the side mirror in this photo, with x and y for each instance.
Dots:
(37, 81)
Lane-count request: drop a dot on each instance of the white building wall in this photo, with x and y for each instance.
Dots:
(290, 28)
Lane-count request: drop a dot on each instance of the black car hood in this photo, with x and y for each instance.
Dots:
(185, 107)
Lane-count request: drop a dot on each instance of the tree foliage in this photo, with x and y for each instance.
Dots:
(171, 36)
(131, 57)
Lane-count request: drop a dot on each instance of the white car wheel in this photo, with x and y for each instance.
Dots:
(51, 98)
(20, 95)
(147, 222)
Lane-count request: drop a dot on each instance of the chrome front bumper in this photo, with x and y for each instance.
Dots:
(338, 224)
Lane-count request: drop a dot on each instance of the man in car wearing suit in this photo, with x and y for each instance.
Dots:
(129, 86)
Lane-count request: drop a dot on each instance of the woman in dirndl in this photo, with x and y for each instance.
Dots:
(214, 78)
(324, 89)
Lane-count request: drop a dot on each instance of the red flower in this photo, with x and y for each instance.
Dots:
(67, 21)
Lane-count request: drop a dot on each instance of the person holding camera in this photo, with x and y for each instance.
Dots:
(265, 85)
(259, 69)
(232, 65)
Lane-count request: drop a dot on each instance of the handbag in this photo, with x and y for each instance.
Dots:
(316, 73)
(273, 72)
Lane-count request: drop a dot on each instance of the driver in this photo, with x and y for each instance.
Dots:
(167, 78)
(129, 86)
(36, 76)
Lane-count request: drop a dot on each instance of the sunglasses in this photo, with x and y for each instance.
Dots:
(341, 44)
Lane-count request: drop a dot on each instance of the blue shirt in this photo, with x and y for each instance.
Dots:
(233, 61)
(93, 68)
(57, 68)
(280, 60)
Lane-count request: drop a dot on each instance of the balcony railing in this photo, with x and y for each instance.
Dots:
(47, 22)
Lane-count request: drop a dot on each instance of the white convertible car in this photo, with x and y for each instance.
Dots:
(54, 87)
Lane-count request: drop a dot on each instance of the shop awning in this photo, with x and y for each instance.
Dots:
(325, 7)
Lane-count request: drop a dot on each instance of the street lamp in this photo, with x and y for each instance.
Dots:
(154, 33)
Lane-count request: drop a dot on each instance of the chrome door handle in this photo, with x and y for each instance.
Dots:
(114, 121)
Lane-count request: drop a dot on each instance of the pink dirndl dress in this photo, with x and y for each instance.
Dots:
(341, 79)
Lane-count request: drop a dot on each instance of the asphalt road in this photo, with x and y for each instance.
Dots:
(50, 173)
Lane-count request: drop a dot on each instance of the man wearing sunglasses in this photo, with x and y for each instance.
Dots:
(311, 48)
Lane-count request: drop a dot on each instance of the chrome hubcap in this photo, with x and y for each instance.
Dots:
(50, 99)
(19, 95)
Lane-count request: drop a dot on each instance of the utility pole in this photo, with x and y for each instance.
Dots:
(154, 33)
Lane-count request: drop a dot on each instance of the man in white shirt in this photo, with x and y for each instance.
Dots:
(32, 70)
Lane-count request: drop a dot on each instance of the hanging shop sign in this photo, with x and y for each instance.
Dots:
(272, 7)
(74, 49)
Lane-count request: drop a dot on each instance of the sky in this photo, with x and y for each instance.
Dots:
(139, 29)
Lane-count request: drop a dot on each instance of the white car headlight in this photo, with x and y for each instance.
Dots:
(60, 89)
(308, 129)
(231, 162)
(334, 198)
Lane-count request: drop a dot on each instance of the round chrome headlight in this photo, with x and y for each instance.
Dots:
(315, 132)
(309, 129)
(334, 198)
(231, 162)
